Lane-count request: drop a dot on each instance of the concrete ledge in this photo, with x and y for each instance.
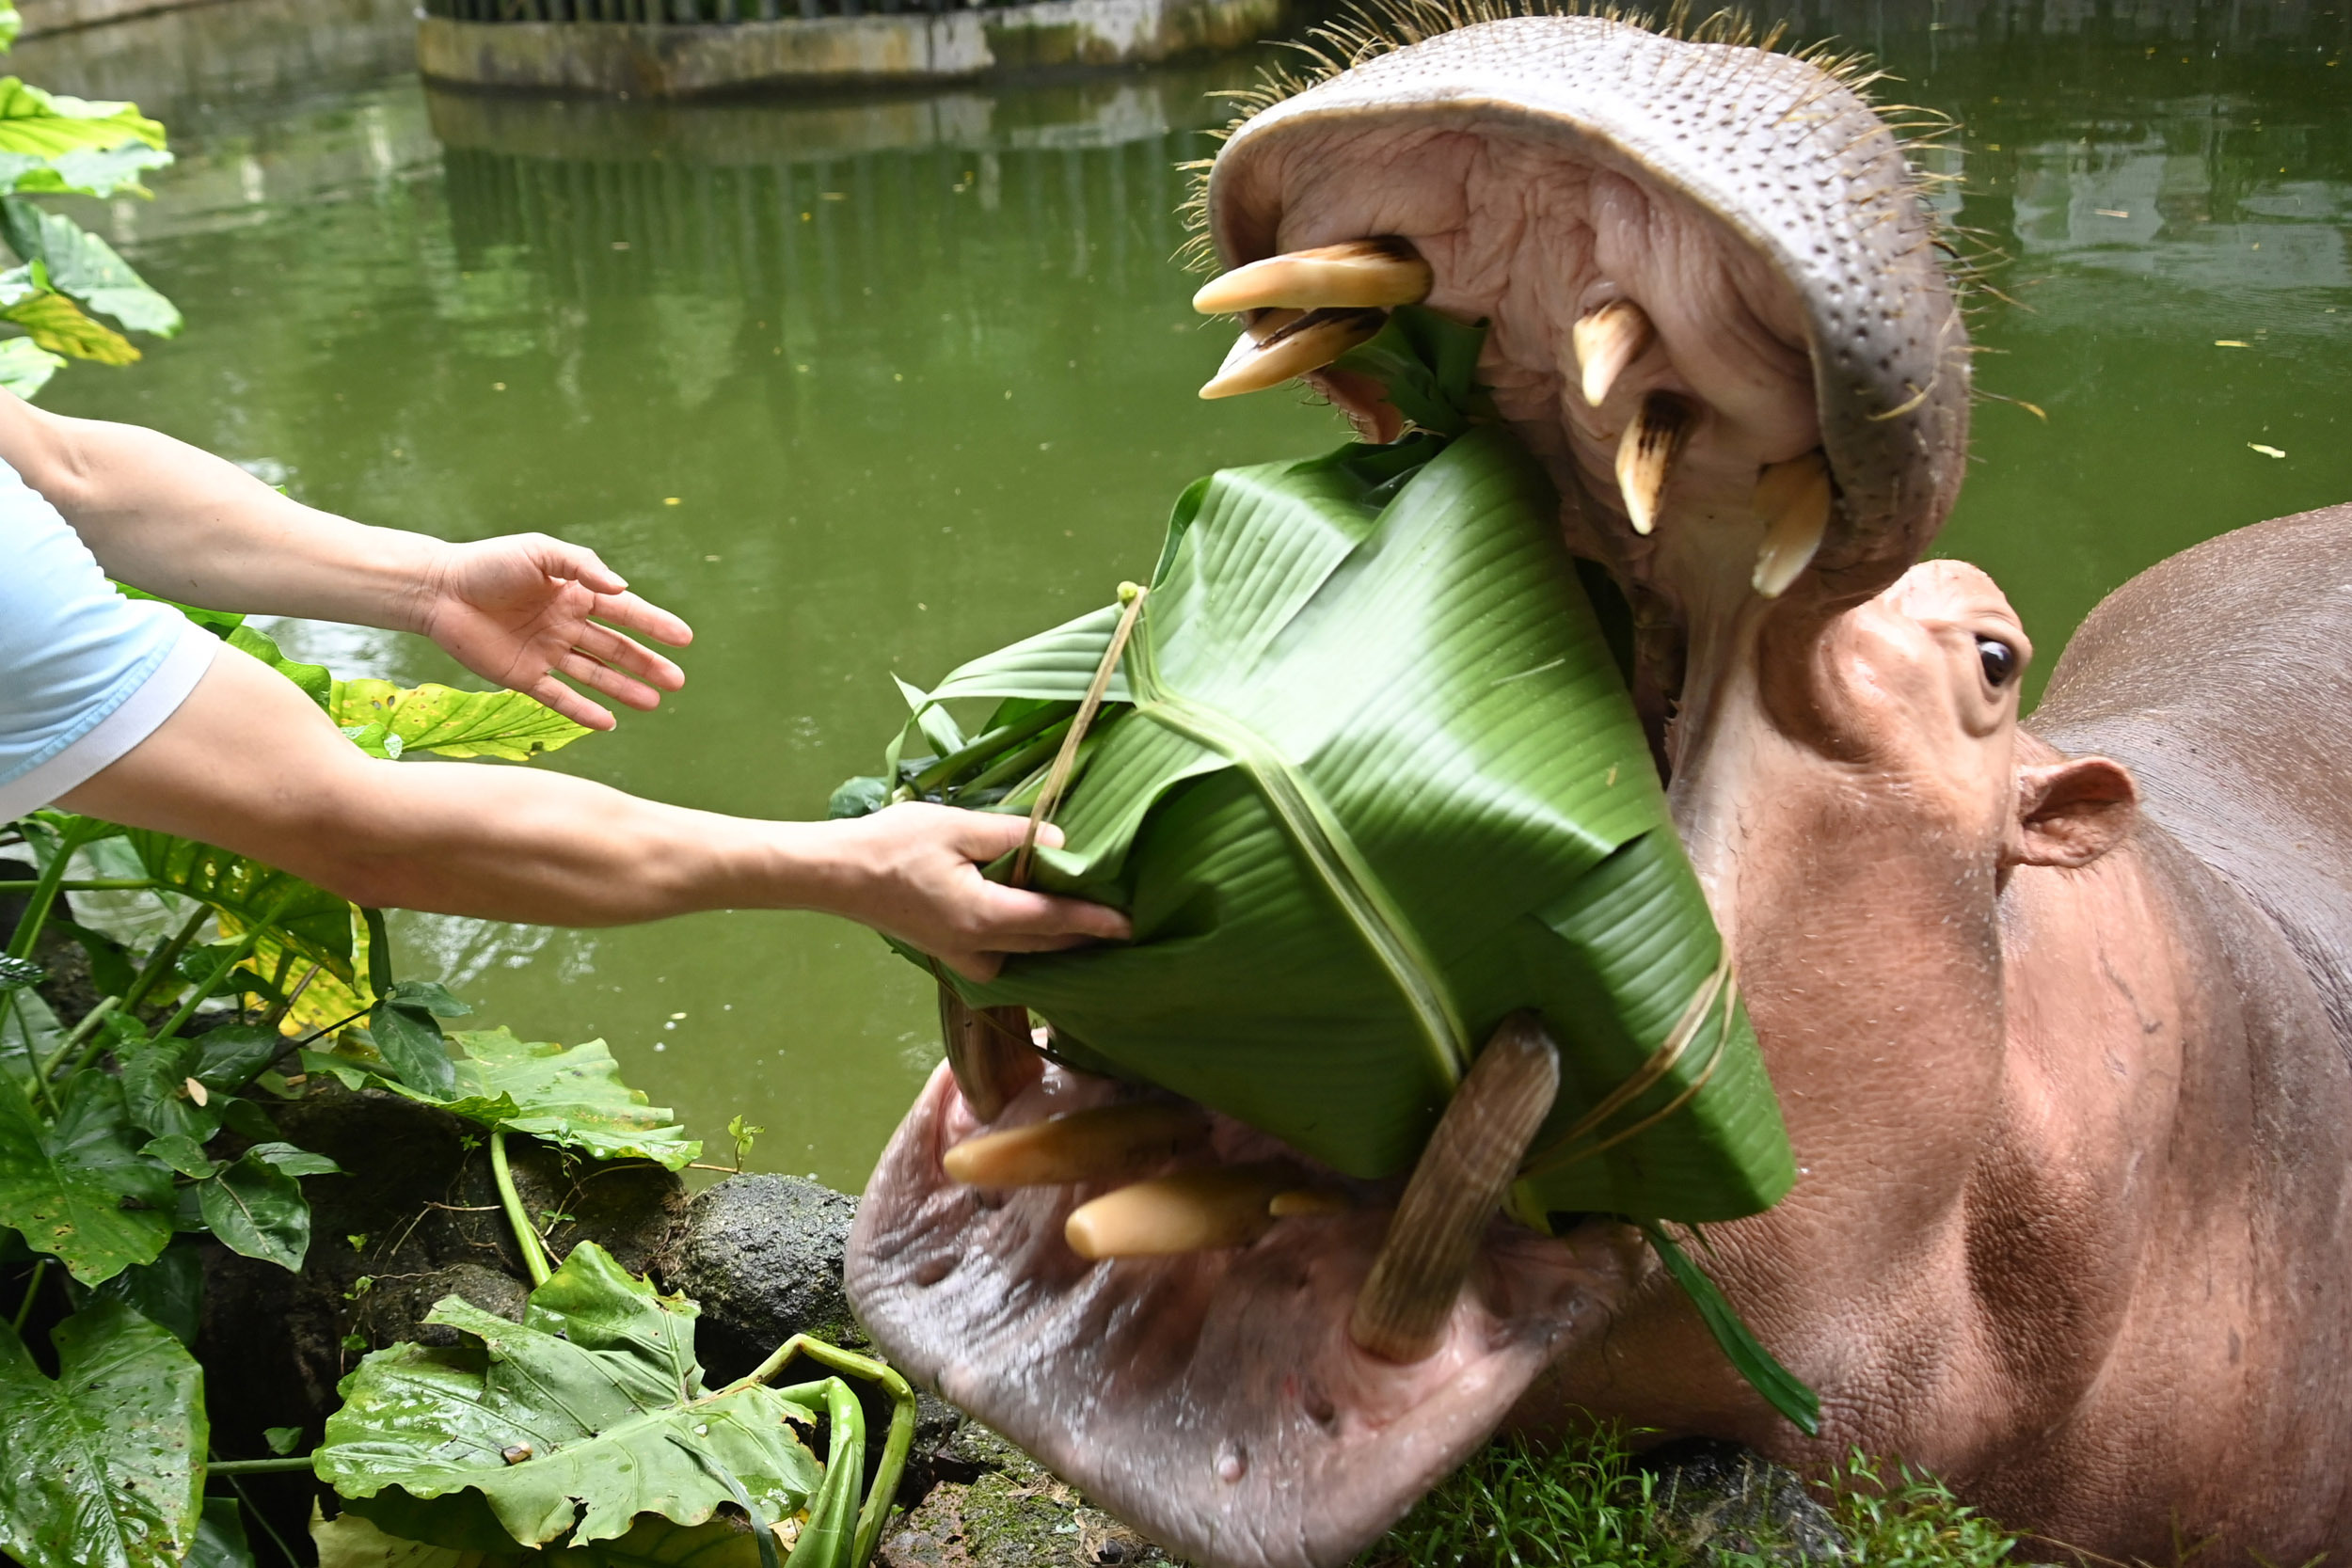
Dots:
(688, 60)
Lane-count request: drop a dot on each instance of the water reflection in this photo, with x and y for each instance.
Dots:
(871, 384)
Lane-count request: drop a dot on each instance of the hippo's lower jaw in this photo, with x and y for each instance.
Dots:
(1216, 1398)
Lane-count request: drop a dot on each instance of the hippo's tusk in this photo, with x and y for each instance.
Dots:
(1261, 360)
(988, 1050)
(1606, 342)
(1383, 272)
(1190, 1212)
(1461, 1179)
(1793, 499)
(1646, 454)
(1098, 1144)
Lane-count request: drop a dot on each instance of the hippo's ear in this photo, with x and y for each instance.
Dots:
(2071, 813)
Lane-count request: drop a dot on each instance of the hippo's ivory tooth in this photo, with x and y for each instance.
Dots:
(1793, 499)
(1098, 1144)
(1307, 343)
(990, 1049)
(1606, 342)
(1646, 454)
(1190, 1212)
(1460, 1181)
(1382, 272)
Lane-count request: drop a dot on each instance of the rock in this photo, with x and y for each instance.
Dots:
(1718, 1500)
(1010, 1513)
(762, 1254)
(395, 1311)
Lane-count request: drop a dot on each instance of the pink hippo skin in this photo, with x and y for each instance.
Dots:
(2058, 1019)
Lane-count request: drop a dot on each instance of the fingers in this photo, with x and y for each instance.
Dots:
(623, 653)
(612, 682)
(616, 604)
(1010, 920)
(569, 702)
(642, 615)
(983, 835)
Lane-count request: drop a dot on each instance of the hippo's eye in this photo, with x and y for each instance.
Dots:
(1999, 661)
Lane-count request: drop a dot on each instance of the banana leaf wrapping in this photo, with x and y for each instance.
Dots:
(1367, 780)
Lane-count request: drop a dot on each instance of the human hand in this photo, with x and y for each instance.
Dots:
(525, 609)
(912, 871)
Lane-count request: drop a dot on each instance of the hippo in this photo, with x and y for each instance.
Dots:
(2059, 1018)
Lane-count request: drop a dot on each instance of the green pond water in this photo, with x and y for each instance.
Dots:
(865, 385)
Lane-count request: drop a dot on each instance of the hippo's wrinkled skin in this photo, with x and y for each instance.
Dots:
(2062, 1056)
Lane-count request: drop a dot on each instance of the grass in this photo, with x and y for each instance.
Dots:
(1589, 1505)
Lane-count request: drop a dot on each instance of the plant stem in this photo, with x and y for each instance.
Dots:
(262, 1519)
(32, 1295)
(278, 1014)
(260, 1467)
(534, 1251)
(44, 891)
(91, 884)
(82, 1031)
(234, 957)
(884, 1489)
(160, 961)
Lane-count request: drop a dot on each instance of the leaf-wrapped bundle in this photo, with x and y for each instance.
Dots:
(1367, 781)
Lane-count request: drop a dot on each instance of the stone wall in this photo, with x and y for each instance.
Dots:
(667, 60)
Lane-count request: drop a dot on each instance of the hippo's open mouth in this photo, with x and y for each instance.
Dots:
(1716, 316)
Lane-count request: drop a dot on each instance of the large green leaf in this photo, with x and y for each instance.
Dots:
(349, 1541)
(255, 1206)
(84, 265)
(81, 1189)
(570, 1425)
(1369, 782)
(390, 720)
(41, 124)
(25, 366)
(572, 1095)
(315, 922)
(103, 1468)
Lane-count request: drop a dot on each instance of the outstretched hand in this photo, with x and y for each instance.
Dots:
(526, 609)
(913, 872)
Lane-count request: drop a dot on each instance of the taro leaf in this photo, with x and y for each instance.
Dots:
(85, 171)
(860, 797)
(349, 1541)
(314, 679)
(1375, 783)
(12, 22)
(25, 366)
(413, 1047)
(315, 922)
(81, 1189)
(282, 1440)
(56, 324)
(169, 1290)
(201, 965)
(220, 1541)
(256, 1206)
(597, 1385)
(569, 1095)
(390, 721)
(184, 1154)
(430, 995)
(155, 1091)
(101, 1468)
(16, 973)
(220, 622)
(46, 125)
(84, 265)
(29, 1034)
(229, 1058)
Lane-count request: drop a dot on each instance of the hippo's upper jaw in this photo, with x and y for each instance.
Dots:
(1216, 1398)
(1717, 313)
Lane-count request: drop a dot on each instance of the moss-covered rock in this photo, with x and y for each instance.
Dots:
(1004, 1511)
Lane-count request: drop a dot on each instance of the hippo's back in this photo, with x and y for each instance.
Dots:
(2222, 678)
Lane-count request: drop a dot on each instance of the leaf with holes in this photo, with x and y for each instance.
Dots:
(80, 1188)
(390, 720)
(569, 1425)
(103, 1466)
(315, 922)
(54, 321)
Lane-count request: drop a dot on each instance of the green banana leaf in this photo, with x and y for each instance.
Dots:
(1367, 780)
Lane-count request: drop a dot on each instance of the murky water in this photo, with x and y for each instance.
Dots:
(871, 385)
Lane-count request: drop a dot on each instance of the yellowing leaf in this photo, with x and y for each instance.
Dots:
(46, 124)
(57, 324)
(390, 720)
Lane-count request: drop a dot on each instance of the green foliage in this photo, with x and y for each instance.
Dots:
(46, 126)
(56, 323)
(569, 1425)
(351, 1542)
(105, 1464)
(25, 366)
(387, 720)
(79, 1188)
(314, 922)
(255, 1205)
(84, 265)
(1588, 1504)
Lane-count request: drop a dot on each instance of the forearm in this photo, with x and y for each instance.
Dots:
(176, 521)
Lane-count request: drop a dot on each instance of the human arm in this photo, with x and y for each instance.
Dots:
(176, 521)
(247, 762)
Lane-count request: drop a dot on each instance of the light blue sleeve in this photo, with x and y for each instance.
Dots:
(85, 673)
